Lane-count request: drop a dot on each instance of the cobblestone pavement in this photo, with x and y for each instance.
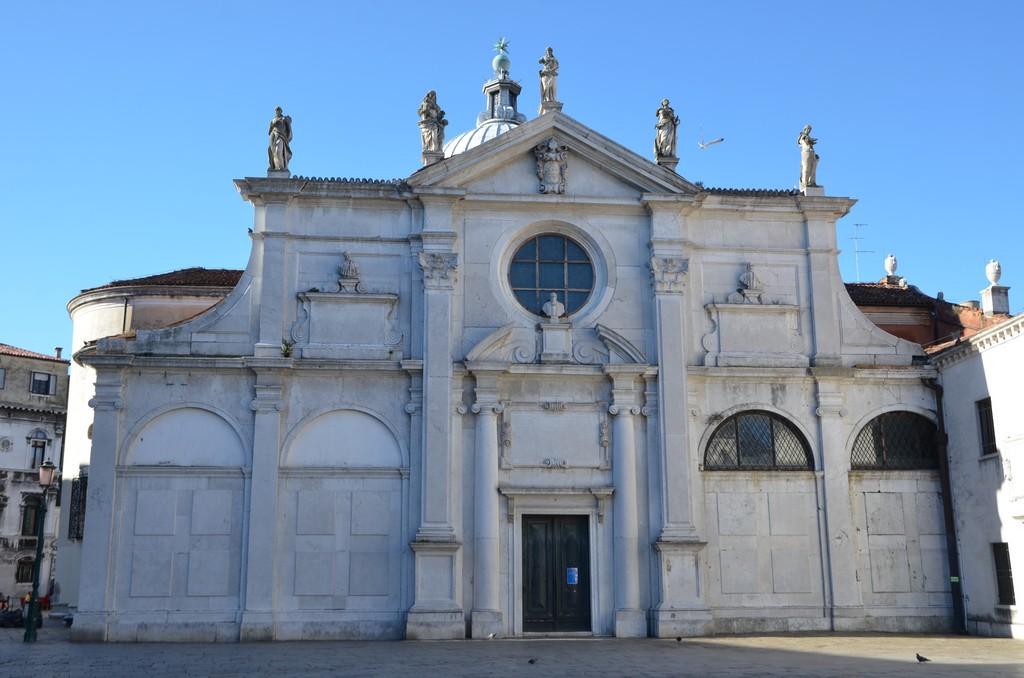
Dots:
(791, 656)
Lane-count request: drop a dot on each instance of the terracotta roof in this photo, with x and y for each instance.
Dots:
(752, 192)
(7, 349)
(880, 294)
(186, 277)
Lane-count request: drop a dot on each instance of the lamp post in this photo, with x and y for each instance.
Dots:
(47, 470)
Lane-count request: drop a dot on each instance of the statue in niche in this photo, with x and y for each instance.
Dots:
(552, 165)
(548, 79)
(432, 124)
(280, 152)
(553, 308)
(665, 135)
(808, 159)
(348, 274)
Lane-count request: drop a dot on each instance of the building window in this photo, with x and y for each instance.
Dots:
(3, 377)
(43, 383)
(37, 441)
(551, 263)
(1004, 575)
(30, 516)
(757, 440)
(895, 441)
(76, 515)
(23, 573)
(986, 426)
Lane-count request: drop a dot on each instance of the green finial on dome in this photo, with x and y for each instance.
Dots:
(501, 62)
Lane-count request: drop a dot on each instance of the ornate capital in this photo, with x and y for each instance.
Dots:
(487, 407)
(669, 274)
(268, 398)
(624, 409)
(439, 269)
(100, 403)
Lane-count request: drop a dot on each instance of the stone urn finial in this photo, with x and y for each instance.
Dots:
(993, 271)
(890, 264)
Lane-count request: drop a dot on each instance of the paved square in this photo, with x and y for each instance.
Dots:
(791, 656)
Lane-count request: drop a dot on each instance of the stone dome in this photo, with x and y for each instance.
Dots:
(474, 137)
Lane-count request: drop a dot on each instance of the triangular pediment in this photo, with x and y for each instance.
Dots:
(606, 164)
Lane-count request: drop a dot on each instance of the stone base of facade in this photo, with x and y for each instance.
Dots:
(669, 623)
(630, 624)
(435, 625)
(486, 622)
(895, 623)
(89, 628)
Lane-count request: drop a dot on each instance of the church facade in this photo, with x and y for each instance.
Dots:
(542, 385)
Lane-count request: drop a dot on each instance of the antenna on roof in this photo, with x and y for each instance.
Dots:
(857, 251)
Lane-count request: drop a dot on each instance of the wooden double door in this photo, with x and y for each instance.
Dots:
(556, 573)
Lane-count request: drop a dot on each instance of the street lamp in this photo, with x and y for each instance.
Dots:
(47, 471)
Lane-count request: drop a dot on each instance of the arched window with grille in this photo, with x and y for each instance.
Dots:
(757, 440)
(896, 440)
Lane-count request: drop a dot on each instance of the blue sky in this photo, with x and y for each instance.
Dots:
(126, 122)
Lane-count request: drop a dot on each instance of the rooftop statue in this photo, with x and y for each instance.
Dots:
(279, 151)
(432, 124)
(548, 81)
(665, 134)
(808, 159)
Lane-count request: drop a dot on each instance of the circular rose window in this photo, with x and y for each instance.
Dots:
(551, 263)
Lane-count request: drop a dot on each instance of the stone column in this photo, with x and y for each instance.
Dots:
(630, 620)
(437, 610)
(820, 216)
(269, 240)
(841, 548)
(487, 615)
(261, 581)
(98, 563)
(681, 610)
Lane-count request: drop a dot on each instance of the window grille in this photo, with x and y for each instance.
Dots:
(76, 514)
(551, 263)
(896, 440)
(986, 426)
(757, 440)
(1004, 574)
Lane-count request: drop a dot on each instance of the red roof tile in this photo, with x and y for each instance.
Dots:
(186, 277)
(880, 294)
(7, 349)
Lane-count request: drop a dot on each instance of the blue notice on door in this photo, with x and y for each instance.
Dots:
(572, 576)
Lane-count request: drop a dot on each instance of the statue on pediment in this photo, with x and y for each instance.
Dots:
(279, 152)
(432, 124)
(548, 80)
(552, 165)
(808, 159)
(665, 134)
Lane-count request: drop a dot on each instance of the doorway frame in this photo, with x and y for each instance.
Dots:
(593, 502)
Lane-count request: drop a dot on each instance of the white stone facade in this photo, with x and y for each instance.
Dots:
(300, 462)
(988, 484)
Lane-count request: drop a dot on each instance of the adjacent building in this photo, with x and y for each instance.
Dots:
(33, 408)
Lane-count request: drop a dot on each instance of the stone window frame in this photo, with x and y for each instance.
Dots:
(38, 442)
(24, 565)
(986, 426)
(593, 242)
(51, 383)
(33, 503)
(776, 420)
(887, 452)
